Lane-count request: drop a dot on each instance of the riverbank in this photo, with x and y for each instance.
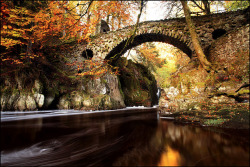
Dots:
(234, 115)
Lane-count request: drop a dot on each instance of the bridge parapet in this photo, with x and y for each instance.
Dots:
(172, 31)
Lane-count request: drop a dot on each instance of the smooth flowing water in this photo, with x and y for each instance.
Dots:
(72, 138)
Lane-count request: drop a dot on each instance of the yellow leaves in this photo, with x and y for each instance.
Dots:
(12, 61)
(10, 27)
(14, 29)
(149, 55)
(8, 42)
(20, 16)
(5, 26)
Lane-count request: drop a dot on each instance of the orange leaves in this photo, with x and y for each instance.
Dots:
(8, 42)
(7, 27)
(56, 21)
(95, 69)
(4, 10)
(149, 55)
(63, 21)
(13, 61)
(118, 11)
(14, 30)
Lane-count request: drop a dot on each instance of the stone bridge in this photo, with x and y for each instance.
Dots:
(172, 31)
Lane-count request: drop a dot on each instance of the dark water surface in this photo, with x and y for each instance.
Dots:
(57, 138)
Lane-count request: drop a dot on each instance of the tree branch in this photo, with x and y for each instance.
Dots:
(198, 5)
(130, 40)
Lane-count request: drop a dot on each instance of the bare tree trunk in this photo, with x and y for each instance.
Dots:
(107, 19)
(197, 47)
(112, 23)
(88, 17)
(119, 22)
(206, 6)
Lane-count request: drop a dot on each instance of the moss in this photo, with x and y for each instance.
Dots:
(244, 91)
(103, 102)
(136, 83)
(104, 81)
(120, 89)
(201, 84)
(223, 111)
(194, 106)
(214, 122)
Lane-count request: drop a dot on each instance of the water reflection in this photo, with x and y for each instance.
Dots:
(194, 146)
(125, 140)
(170, 157)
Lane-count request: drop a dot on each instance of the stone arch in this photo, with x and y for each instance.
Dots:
(121, 48)
(87, 54)
(218, 33)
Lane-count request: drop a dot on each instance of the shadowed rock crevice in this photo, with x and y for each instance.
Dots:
(218, 33)
(87, 54)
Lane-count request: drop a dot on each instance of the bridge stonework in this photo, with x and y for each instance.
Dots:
(173, 31)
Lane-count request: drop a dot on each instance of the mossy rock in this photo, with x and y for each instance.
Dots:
(244, 91)
(223, 111)
(103, 102)
(137, 84)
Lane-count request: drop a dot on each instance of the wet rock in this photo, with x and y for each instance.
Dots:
(222, 99)
(87, 103)
(107, 85)
(76, 100)
(39, 98)
(63, 103)
(20, 103)
(30, 103)
(38, 87)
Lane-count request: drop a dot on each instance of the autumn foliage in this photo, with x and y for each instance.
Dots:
(116, 13)
(149, 56)
(28, 26)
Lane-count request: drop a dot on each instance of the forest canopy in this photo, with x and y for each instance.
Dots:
(28, 26)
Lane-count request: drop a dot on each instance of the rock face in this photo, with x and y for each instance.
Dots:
(102, 93)
(99, 94)
(54, 84)
(57, 86)
(137, 83)
(192, 85)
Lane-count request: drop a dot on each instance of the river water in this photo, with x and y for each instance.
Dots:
(119, 138)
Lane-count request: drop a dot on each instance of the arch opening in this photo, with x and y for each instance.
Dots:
(158, 61)
(87, 54)
(121, 48)
(218, 33)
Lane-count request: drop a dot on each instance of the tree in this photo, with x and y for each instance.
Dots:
(199, 52)
(117, 13)
(175, 8)
(204, 6)
(28, 26)
(236, 5)
(147, 54)
(56, 19)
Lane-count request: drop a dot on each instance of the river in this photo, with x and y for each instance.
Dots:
(116, 138)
